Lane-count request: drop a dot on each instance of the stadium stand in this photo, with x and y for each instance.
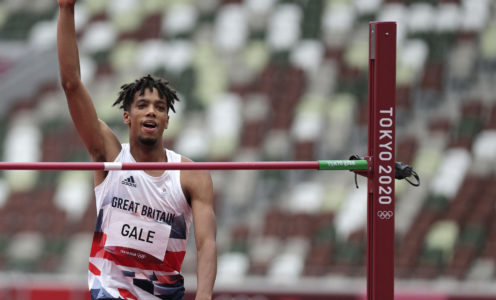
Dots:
(264, 80)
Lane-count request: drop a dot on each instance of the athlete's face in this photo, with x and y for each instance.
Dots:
(147, 117)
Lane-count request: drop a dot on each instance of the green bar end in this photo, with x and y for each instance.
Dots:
(343, 165)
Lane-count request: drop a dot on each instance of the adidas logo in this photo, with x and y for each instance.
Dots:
(129, 181)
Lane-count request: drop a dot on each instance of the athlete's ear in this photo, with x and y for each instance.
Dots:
(167, 122)
(126, 118)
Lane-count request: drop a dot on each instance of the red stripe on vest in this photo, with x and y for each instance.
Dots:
(138, 259)
(99, 239)
(93, 269)
(127, 294)
(175, 259)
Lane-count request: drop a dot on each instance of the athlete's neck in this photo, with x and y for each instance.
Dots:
(148, 153)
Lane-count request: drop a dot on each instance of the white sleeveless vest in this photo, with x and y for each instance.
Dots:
(141, 233)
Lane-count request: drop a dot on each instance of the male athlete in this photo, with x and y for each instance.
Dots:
(144, 217)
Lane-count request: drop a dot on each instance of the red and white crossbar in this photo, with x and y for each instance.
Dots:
(114, 166)
(381, 152)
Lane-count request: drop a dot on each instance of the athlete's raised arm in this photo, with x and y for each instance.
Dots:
(98, 139)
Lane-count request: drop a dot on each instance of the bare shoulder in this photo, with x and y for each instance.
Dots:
(195, 183)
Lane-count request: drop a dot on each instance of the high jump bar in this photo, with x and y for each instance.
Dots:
(115, 166)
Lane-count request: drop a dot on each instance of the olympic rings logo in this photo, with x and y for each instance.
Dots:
(385, 214)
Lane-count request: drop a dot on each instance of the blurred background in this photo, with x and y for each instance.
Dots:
(263, 80)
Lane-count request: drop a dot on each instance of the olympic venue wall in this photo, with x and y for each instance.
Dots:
(71, 293)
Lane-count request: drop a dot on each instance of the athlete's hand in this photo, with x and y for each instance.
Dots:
(66, 2)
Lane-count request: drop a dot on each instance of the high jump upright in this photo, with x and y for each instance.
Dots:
(381, 156)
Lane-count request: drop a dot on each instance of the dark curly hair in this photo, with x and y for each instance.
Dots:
(128, 91)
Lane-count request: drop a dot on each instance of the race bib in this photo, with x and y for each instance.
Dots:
(130, 231)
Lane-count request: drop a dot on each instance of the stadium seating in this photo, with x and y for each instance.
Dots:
(290, 80)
